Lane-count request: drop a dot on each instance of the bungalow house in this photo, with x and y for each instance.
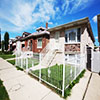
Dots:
(71, 39)
(98, 22)
(36, 41)
(12, 42)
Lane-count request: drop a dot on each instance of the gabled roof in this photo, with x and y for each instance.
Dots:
(98, 22)
(75, 23)
(27, 33)
(35, 34)
(41, 28)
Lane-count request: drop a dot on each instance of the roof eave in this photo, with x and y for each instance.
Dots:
(77, 22)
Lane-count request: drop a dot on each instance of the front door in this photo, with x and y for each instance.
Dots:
(57, 35)
(89, 58)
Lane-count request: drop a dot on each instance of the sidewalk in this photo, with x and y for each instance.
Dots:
(21, 86)
(93, 91)
(79, 89)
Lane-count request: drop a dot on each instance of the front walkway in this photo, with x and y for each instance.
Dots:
(21, 86)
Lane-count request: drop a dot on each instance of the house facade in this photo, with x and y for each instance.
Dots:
(36, 41)
(73, 38)
(12, 42)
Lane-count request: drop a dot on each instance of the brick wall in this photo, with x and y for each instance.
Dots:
(45, 40)
(72, 47)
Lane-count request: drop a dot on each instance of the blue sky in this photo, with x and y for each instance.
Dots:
(17, 16)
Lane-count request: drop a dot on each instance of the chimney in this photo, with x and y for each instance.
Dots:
(46, 25)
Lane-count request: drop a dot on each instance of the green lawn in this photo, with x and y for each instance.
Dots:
(24, 67)
(3, 92)
(7, 56)
(30, 61)
(12, 62)
(56, 75)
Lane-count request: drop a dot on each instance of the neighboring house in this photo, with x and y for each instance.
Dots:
(25, 34)
(98, 22)
(12, 44)
(36, 41)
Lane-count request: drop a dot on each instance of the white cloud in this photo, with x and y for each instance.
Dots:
(20, 15)
(96, 37)
(24, 14)
(50, 23)
(73, 6)
(95, 19)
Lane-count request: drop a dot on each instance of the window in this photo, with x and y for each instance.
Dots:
(66, 37)
(72, 58)
(23, 45)
(39, 43)
(57, 35)
(78, 34)
(72, 35)
(31, 45)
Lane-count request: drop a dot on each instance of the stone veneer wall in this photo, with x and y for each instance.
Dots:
(72, 47)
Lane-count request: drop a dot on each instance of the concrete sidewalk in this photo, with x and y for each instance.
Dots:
(21, 86)
(80, 88)
(93, 91)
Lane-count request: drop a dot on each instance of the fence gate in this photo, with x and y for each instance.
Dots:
(95, 61)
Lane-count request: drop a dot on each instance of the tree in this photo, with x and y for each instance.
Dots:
(6, 40)
(0, 38)
(2, 45)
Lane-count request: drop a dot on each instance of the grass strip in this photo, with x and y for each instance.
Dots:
(3, 92)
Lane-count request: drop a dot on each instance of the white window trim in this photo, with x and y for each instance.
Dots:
(67, 32)
(57, 33)
(37, 43)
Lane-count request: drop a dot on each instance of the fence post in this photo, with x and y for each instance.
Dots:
(75, 65)
(21, 62)
(26, 63)
(63, 85)
(91, 59)
(40, 67)
(16, 60)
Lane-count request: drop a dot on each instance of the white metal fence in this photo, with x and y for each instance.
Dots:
(57, 76)
(60, 76)
(27, 60)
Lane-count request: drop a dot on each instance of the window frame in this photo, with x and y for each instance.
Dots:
(67, 32)
(38, 42)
